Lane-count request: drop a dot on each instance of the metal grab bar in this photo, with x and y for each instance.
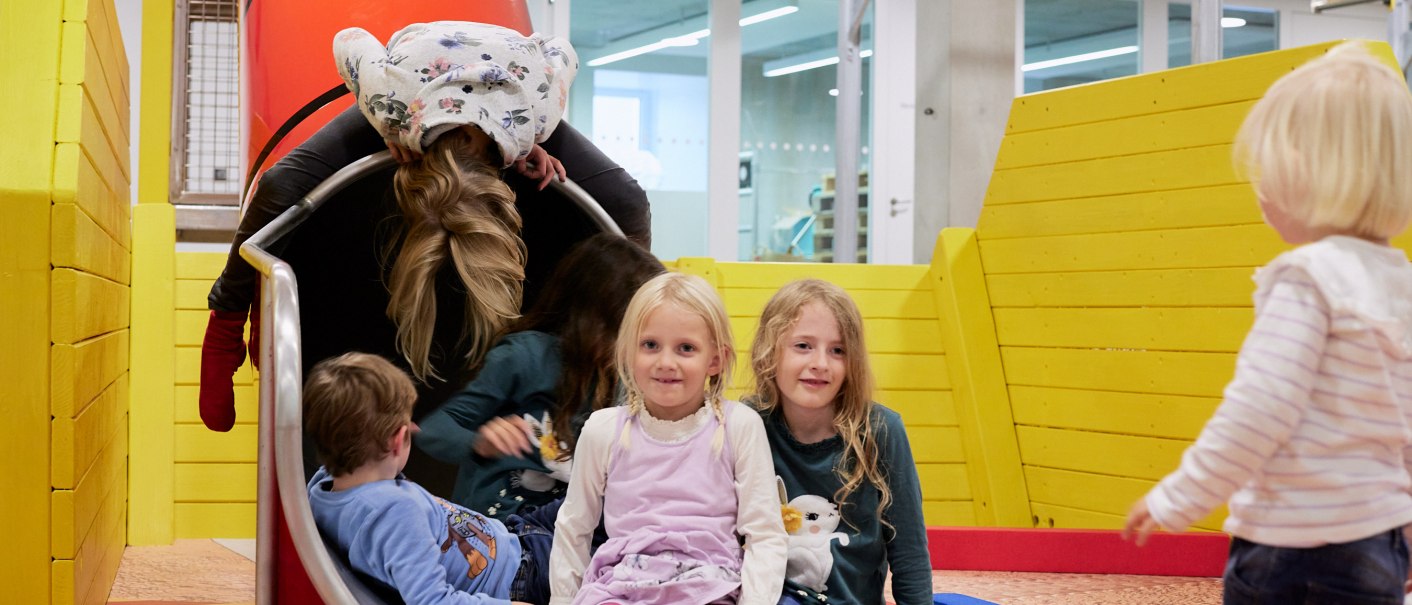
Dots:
(282, 383)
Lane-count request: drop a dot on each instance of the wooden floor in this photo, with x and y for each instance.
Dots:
(203, 571)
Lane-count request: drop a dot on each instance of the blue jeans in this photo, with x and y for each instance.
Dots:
(1368, 571)
(536, 531)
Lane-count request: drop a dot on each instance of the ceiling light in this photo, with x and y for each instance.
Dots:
(833, 92)
(1102, 54)
(806, 65)
(1229, 22)
(690, 39)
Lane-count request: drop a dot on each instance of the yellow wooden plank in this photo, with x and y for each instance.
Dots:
(80, 123)
(1171, 373)
(97, 561)
(195, 443)
(188, 368)
(82, 66)
(191, 294)
(153, 374)
(935, 444)
(879, 335)
(849, 276)
(982, 409)
(77, 442)
(191, 326)
(1177, 209)
(76, 181)
(955, 514)
(920, 408)
(62, 586)
(1102, 453)
(895, 371)
(79, 372)
(215, 482)
(188, 409)
(154, 154)
(215, 520)
(1237, 246)
(944, 481)
(1060, 517)
(873, 304)
(1197, 127)
(74, 510)
(1221, 287)
(1171, 416)
(1199, 85)
(1162, 328)
(85, 306)
(1176, 169)
(78, 243)
(1097, 493)
(116, 50)
(110, 64)
(200, 265)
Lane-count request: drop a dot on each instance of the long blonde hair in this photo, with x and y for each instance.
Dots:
(852, 416)
(454, 208)
(694, 295)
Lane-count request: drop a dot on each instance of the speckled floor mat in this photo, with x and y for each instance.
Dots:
(187, 572)
(1016, 588)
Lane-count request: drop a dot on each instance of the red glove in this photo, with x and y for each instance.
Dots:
(222, 352)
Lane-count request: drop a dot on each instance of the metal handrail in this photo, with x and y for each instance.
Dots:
(281, 386)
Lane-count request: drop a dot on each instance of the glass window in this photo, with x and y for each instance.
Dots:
(789, 103)
(1244, 31)
(641, 96)
(1067, 44)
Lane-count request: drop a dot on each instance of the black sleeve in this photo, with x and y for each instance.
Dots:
(347, 137)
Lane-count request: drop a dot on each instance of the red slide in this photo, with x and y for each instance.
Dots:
(289, 64)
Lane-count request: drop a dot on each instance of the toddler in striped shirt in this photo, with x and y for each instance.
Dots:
(1311, 446)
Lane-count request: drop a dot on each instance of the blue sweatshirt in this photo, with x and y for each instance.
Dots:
(430, 550)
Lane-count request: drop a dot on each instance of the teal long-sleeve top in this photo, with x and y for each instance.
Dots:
(859, 554)
(519, 377)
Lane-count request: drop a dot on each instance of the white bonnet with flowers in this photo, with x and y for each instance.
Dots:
(433, 77)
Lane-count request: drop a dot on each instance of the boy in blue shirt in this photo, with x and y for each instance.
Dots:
(358, 411)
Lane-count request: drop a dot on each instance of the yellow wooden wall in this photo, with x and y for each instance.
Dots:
(215, 472)
(1118, 245)
(65, 248)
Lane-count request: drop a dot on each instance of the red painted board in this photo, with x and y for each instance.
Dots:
(1197, 554)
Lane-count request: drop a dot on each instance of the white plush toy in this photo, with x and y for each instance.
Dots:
(541, 432)
(811, 521)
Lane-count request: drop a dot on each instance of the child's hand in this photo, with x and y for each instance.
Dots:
(1139, 520)
(505, 436)
(541, 166)
(402, 154)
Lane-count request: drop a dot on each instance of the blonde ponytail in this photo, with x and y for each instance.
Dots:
(454, 208)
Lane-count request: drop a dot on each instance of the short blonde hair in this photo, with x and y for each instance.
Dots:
(694, 295)
(1331, 142)
(354, 404)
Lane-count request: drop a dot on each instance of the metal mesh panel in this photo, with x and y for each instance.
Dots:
(210, 126)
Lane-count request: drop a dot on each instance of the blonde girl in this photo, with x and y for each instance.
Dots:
(680, 476)
(840, 456)
(1310, 445)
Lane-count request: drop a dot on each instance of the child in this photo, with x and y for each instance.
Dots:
(679, 475)
(1311, 442)
(839, 455)
(552, 369)
(358, 411)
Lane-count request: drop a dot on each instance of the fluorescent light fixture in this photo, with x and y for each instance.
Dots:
(833, 92)
(691, 39)
(767, 15)
(808, 65)
(1229, 22)
(1102, 54)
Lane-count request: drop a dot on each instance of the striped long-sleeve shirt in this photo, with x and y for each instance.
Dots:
(1311, 444)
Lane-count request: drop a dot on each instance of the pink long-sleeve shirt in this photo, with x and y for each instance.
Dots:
(1311, 443)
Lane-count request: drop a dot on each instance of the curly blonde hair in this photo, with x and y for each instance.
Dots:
(454, 209)
(852, 414)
